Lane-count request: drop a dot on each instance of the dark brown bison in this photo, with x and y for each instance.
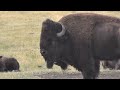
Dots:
(8, 64)
(112, 65)
(81, 40)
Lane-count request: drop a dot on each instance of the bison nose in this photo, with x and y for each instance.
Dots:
(43, 52)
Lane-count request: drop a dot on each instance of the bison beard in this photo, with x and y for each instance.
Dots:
(81, 40)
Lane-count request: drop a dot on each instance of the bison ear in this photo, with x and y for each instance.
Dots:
(62, 31)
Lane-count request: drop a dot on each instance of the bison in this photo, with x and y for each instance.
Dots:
(81, 40)
(8, 64)
(112, 65)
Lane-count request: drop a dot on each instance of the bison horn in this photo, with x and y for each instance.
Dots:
(62, 32)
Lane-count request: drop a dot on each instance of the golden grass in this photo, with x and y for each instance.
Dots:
(20, 35)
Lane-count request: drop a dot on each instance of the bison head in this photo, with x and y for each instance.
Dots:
(54, 42)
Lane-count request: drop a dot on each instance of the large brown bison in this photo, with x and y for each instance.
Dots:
(81, 40)
(112, 65)
(8, 64)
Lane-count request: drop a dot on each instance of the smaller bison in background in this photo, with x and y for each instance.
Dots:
(112, 65)
(8, 64)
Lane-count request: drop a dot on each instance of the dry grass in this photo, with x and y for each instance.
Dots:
(20, 34)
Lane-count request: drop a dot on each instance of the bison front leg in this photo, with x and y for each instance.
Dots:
(62, 65)
(97, 68)
(90, 69)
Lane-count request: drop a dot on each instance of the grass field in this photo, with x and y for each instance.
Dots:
(20, 35)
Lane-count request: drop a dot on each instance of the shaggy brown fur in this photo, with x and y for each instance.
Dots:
(77, 47)
(8, 64)
(81, 28)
